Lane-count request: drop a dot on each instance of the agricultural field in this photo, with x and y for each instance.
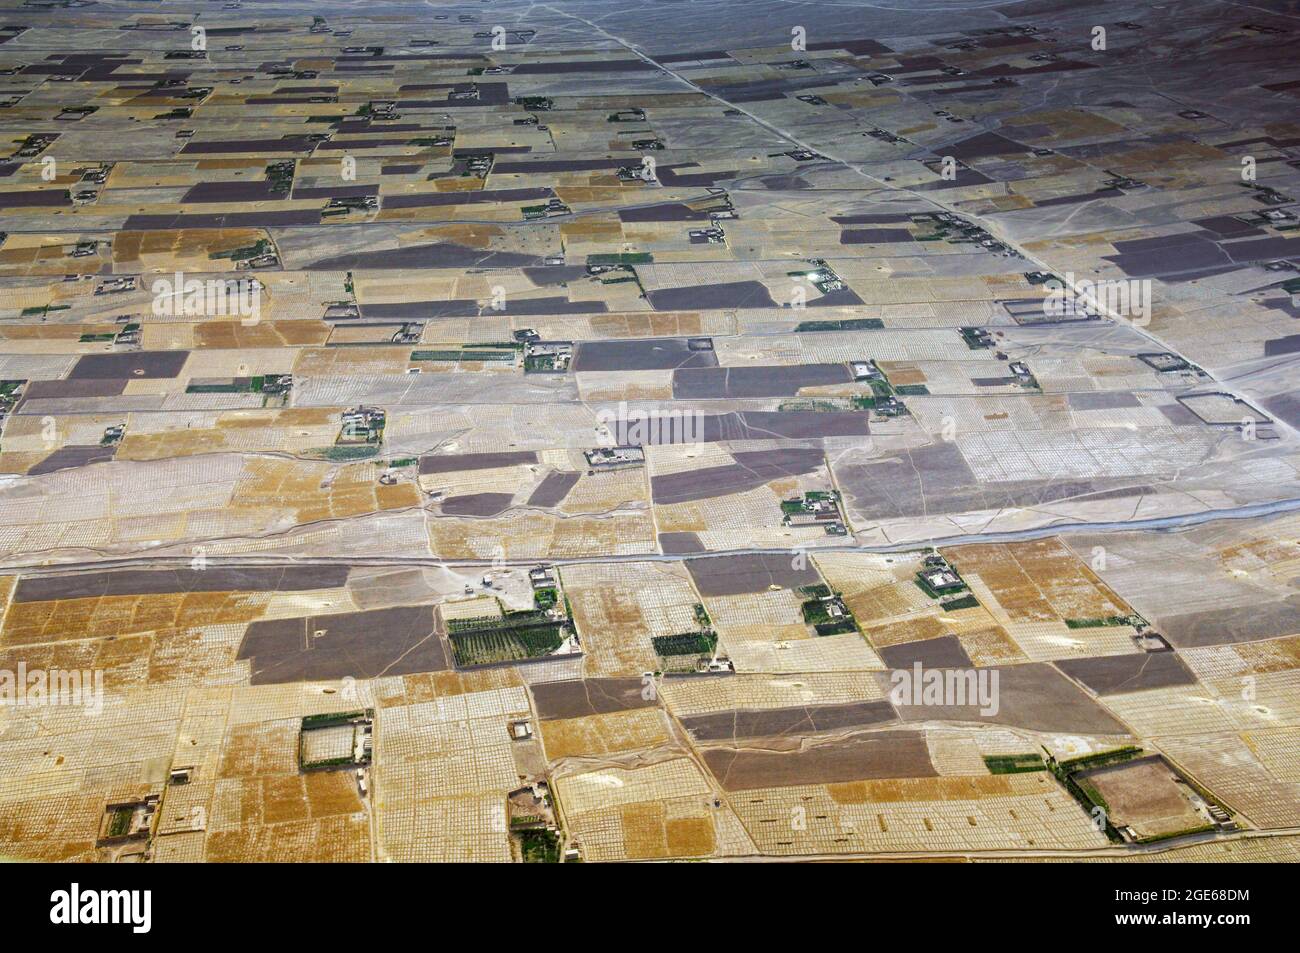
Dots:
(622, 432)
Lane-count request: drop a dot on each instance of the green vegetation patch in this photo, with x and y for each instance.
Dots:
(881, 387)
(331, 718)
(846, 324)
(474, 624)
(513, 637)
(624, 258)
(1014, 763)
(240, 385)
(539, 362)
(687, 643)
(540, 846)
(346, 453)
(838, 627)
(817, 611)
(485, 647)
(814, 612)
(1099, 623)
(818, 591)
(463, 355)
(1099, 760)
(120, 825)
(834, 405)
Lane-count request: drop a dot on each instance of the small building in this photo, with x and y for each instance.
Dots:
(636, 173)
(609, 458)
(409, 333)
(1164, 361)
(942, 579)
(259, 261)
(360, 203)
(362, 425)
(547, 356)
(342, 312)
(1149, 641)
(707, 236)
(277, 385)
(890, 406)
(128, 820)
(117, 285)
(866, 371)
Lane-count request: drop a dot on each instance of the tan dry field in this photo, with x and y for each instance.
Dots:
(427, 686)
(611, 733)
(618, 609)
(263, 809)
(185, 249)
(288, 430)
(1143, 795)
(343, 361)
(103, 617)
(67, 333)
(1038, 581)
(1026, 811)
(796, 752)
(533, 535)
(657, 811)
(353, 491)
(235, 335)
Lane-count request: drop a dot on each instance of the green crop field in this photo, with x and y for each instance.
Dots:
(486, 646)
(687, 643)
(1014, 763)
